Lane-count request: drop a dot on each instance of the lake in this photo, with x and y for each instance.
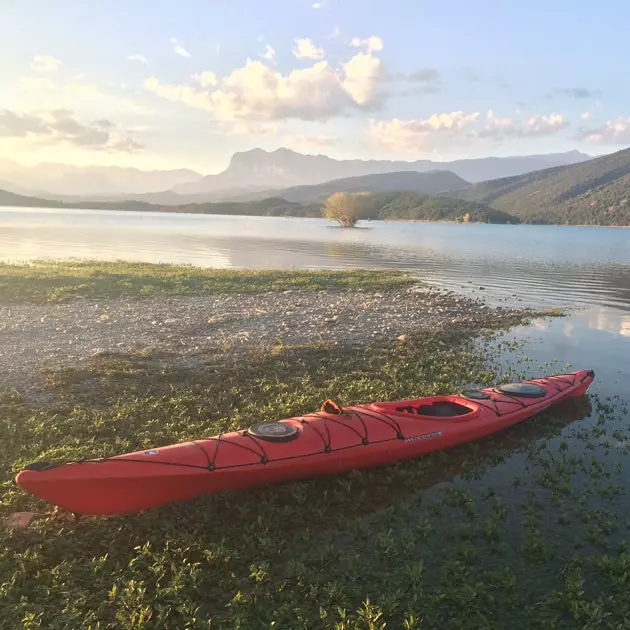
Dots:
(582, 267)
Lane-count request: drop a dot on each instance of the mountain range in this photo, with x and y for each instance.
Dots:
(284, 168)
(250, 174)
(592, 192)
(58, 180)
(595, 192)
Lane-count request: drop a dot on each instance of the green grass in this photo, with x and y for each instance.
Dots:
(45, 281)
(529, 524)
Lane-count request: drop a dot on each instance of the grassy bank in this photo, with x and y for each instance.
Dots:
(45, 281)
(524, 525)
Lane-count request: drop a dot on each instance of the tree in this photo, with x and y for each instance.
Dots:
(345, 208)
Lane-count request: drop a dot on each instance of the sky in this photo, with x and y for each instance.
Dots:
(187, 83)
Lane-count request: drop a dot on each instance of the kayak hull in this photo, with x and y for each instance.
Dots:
(322, 443)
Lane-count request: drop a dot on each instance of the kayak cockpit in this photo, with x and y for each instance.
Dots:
(441, 409)
(436, 407)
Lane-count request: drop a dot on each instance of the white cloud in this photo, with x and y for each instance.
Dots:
(206, 78)
(493, 121)
(62, 126)
(502, 128)
(611, 132)
(178, 48)
(371, 44)
(319, 4)
(362, 72)
(269, 54)
(309, 141)
(44, 63)
(585, 115)
(496, 127)
(181, 51)
(544, 125)
(422, 134)
(306, 49)
(258, 92)
(138, 58)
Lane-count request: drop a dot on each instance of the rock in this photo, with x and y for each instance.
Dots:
(171, 320)
(402, 338)
(482, 288)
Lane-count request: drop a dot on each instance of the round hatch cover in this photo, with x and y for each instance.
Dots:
(475, 394)
(525, 390)
(273, 431)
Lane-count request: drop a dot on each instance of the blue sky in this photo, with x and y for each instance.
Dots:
(166, 84)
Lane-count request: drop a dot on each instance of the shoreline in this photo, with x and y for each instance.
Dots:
(263, 216)
(75, 312)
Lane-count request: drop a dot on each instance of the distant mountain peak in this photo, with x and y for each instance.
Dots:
(284, 168)
(57, 180)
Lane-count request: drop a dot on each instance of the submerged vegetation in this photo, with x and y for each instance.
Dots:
(528, 524)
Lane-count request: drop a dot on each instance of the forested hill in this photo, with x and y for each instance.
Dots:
(415, 206)
(596, 192)
(387, 205)
(272, 206)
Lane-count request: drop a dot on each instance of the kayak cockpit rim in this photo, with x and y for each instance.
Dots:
(447, 408)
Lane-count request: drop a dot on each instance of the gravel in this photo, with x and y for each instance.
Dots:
(38, 337)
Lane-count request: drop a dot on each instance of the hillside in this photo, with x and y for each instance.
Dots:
(272, 206)
(596, 192)
(430, 183)
(11, 199)
(284, 168)
(418, 207)
(384, 205)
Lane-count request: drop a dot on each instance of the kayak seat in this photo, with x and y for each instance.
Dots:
(441, 409)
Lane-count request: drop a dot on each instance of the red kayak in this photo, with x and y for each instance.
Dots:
(329, 441)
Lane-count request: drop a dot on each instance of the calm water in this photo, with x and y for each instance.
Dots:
(585, 268)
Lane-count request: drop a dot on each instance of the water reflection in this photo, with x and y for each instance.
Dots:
(597, 338)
